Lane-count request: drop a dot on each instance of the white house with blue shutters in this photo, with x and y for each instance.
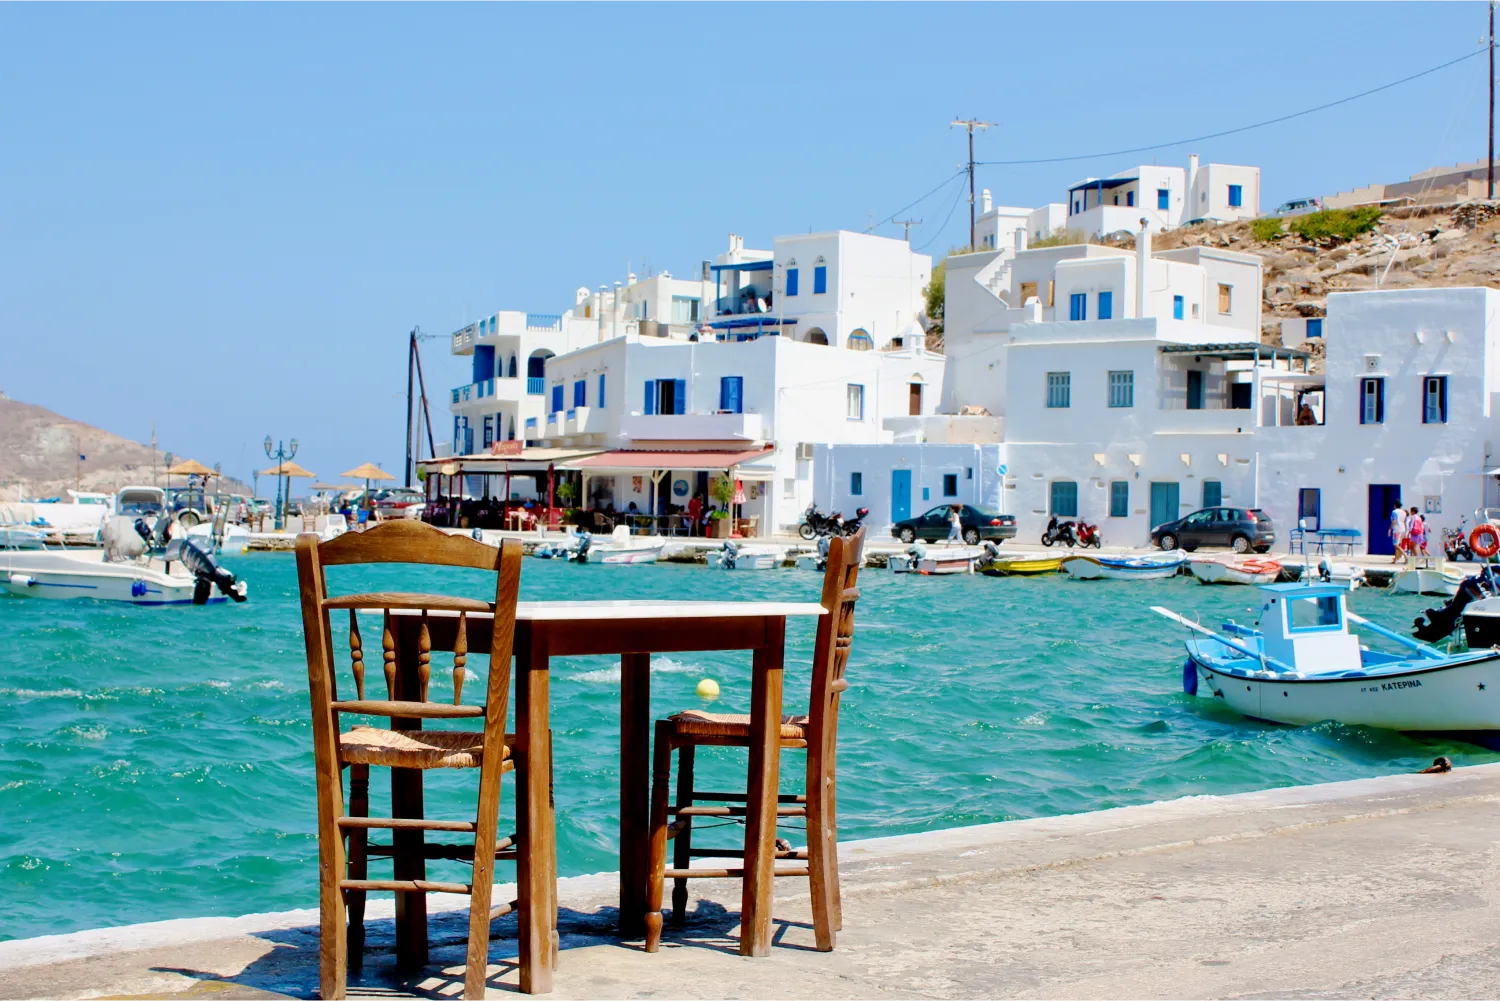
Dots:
(1166, 197)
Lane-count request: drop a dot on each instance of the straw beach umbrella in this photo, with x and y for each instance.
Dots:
(190, 467)
(369, 471)
(288, 469)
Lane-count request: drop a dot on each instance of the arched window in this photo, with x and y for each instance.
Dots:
(512, 366)
(860, 340)
(816, 336)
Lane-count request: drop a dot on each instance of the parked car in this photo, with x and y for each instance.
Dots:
(1241, 529)
(1298, 206)
(394, 501)
(977, 524)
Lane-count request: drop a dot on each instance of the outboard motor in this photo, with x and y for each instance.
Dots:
(730, 551)
(991, 552)
(144, 531)
(1440, 622)
(581, 546)
(210, 575)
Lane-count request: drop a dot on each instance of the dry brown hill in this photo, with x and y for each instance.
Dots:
(39, 451)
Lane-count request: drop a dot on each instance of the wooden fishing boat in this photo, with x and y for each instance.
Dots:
(1019, 565)
(1150, 566)
(1229, 571)
(1428, 580)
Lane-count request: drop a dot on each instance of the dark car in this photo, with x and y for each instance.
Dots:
(977, 524)
(1241, 529)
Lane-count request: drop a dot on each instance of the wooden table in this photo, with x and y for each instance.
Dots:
(633, 630)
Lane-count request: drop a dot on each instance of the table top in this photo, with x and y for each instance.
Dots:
(584, 611)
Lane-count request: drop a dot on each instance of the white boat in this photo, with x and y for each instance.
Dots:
(1428, 580)
(733, 556)
(1226, 571)
(88, 573)
(617, 548)
(1303, 666)
(943, 560)
(1150, 566)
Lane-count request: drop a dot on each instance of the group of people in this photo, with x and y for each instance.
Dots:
(1408, 533)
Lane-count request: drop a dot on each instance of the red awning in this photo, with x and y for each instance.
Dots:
(635, 459)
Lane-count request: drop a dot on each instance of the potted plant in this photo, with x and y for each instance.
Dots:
(718, 525)
(721, 491)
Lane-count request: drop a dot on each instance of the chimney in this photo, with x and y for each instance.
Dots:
(707, 272)
(984, 200)
(1142, 259)
(1187, 196)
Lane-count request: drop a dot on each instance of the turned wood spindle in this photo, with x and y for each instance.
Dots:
(460, 655)
(424, 659)
(388, 652)
(357, 655)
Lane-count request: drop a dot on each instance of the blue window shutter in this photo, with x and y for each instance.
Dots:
(1106, 305)
(650, 396)
(580, 393)
(1130, 198)
(724, 390)
(1315, 328)
(557, 398)
(601, 392)
(1236, 196)
(820, 279)
(1176, 307)
(1078, 306)
(791, 281)
(1163, 198)
(679, 396)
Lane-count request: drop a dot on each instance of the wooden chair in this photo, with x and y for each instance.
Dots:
(405, 747)
(817, 732)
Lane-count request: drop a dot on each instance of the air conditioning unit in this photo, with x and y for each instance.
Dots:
(805, 450)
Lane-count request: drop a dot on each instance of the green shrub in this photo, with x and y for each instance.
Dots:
(1342, 224)
(1060, 238)
(1265, 230)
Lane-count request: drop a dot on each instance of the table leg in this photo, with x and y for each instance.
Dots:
(537, 867)
(635, 791)
(760, 813)
(409, 860)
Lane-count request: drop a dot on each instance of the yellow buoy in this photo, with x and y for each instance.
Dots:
(708, 688)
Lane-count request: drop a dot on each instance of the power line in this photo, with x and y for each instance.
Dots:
(892, 217)
(1230, 132)
(971, 124)
(944, 225)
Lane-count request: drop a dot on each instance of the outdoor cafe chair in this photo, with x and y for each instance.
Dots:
(404, 746)
(816, 732)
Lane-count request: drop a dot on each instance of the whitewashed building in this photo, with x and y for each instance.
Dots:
(997, 225)
(1166, 196)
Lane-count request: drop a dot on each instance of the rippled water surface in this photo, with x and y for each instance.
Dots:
(156, 762)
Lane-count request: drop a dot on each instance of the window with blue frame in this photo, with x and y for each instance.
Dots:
(1065, 498)
(1106, 305)
(1176, 307)
(1078, 306)
(601, 392)
(1372, 401)
(666, 396)
(856, 483)
(1163, 198)
(1059, 390)
(1236, 196)
(1315, 327)
(1130, 198)
(1119, 498)
(732, 394)
(1435, 399)
(791, 281)
(1122, 389)
(557, 398)
(581, 393)
(855, 401)
(820, 279)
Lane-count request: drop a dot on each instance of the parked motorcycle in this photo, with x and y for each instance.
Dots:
(816, 523)
(1060, 533)
(852, 525)
(1088, 535)
(1456, 543)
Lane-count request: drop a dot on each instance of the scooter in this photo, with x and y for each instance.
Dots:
(1456, 543)
(1088, 535)
(816, 523)
(852, 525)
(1059, 533)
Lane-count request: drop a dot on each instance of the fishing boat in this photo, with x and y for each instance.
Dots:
(734, 556)
(1439, 580)
(1149, 566)
(943, 560)
(1302, 665)
(182, 575)
(1019, 565)
(1227, 571)
(616, 549)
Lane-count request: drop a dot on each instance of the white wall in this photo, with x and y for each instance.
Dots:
(1209, 198)
(975, 468)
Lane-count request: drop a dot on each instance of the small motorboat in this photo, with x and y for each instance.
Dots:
(734, 556)
(1439, 580)
(616, 549)
(1228, 571)
(943, 560)
(992, 564)
(1302, 666)
(1149, 566)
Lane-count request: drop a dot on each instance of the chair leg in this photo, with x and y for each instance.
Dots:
(818, 868)
(333, 927)
(359, 806)
(661, 774)
(682, 849)
(832, 823)
(482, 881)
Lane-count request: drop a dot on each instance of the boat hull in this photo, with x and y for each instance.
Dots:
(1092, 568)
(940, 566)
(1215, 572)
(1448, 699)
(622, 557)
(746, 561)
(1424, 581)
(1020, 567)
(62, 575)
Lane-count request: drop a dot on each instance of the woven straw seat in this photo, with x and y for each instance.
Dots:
(369, 745)
(696, 723)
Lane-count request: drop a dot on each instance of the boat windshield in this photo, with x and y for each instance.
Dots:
(1317, 612)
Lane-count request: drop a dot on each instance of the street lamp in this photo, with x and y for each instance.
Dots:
(282, 453)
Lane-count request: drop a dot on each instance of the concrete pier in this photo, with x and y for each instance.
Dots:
(1374, 887)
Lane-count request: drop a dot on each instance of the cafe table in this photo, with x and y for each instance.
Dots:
(633, 631)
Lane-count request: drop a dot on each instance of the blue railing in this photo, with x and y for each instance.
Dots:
(531, 423)
(543, 321)
(455, 396)
(572, 414)
(536, 385)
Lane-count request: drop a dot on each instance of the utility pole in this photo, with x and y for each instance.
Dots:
(411, 353)
(970, 124)
(1490, 166)
(909, 223)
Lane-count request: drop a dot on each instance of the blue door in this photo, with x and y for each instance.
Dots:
(1383, 499)
(900, 494)
(1164, 499)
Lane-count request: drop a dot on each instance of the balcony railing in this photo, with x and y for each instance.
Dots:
(536, 385)
(543, 321)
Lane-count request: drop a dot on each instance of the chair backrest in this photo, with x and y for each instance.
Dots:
(406, 541)
(834, 640)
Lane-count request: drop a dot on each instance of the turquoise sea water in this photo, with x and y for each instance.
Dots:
(156, 763)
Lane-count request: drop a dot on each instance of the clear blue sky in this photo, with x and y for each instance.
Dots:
(225, 218)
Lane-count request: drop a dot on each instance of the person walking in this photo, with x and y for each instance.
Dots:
(955, 525)
(1398, 532)
(1416, 534)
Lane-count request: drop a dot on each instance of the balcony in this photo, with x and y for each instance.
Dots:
(536, 385)
(543, 322)
(583, 420)
(946, 429)
(692, 427)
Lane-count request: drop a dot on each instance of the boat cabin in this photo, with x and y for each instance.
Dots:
(1305, 624)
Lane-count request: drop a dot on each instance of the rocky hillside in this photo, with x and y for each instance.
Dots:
(39, 451)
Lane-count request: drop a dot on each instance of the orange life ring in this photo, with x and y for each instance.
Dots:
(1491, 540)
